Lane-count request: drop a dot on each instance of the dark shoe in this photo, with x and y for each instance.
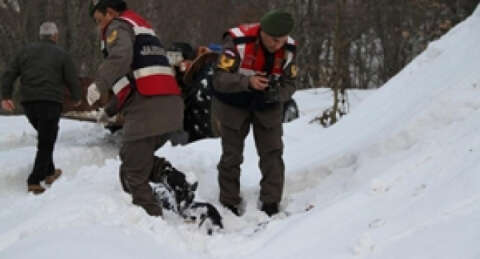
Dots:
(270, 208)
(52, 178)
(233, 208)
(35, 188)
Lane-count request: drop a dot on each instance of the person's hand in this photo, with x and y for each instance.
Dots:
(8, 105)
(93, 94)
(104, 119)
(258, 82)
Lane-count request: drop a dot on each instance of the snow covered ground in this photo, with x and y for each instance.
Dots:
(399, 177)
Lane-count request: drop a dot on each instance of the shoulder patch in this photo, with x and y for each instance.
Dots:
(293, 70)
(112, 37)
(226, 62)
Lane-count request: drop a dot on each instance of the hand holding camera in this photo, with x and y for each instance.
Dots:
(269, 86)
(258, 82)
(272, 93)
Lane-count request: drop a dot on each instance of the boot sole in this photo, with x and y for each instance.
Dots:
(51, 179)
(36, 191)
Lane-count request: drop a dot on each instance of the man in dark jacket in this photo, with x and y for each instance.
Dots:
(45, 70)
(255, 75)
(136, 70)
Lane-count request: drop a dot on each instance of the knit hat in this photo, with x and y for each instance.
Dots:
(277, 23)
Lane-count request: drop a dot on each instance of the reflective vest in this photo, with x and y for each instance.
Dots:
(151, 73)
(246, 39)
(252, 55)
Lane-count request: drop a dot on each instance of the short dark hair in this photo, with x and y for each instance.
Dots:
(118, 6)
(102, 5)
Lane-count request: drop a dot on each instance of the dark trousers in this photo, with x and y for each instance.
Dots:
(138, 167)
(268, 142)
(44, 117)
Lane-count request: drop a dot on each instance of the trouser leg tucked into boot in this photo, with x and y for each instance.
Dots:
(136, 170)
(229, 165)
(269, 145)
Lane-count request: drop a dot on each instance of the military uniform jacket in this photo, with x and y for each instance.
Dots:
(233, 82)
(145, 116)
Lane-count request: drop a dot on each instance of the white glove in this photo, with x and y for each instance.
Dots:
(104, 119)
(93, 94)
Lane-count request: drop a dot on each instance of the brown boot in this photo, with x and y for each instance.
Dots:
(35, 188)
(52, 178)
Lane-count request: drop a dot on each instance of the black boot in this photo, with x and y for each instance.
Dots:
(270, 208)
(234, 209)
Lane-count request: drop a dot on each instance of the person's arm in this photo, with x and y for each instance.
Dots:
(71, 78)
(288, 83)
(227, 79)
(10, 76)
(120, 40)
(8, 81)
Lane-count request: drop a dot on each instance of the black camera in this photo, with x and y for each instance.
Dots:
(272, 94)
(273, 81)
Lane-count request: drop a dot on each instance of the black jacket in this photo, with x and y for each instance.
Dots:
(45, 69)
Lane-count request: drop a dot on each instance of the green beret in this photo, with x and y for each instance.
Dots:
(277, 23)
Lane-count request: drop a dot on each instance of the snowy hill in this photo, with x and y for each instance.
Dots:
(396, 178)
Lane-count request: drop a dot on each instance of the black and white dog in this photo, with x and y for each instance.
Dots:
(176, 193)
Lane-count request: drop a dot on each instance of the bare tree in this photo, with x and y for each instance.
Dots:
(381, 36)
(340, 76)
